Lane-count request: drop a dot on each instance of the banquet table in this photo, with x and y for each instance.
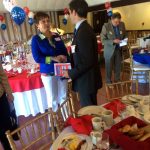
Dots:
(141, 63)
(69, 130)
(117, 120)
(29, 93)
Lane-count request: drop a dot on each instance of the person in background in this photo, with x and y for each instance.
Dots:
(112, 33)
(47, 49)
(6, 97)
(85, 74)
(54, 29)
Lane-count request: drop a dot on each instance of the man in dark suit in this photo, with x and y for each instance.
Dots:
(85, 74)
(112, 33)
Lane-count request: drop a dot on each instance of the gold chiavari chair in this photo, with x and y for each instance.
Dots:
(38, 132)
(120, 89)
(126, 60)
(63, 112)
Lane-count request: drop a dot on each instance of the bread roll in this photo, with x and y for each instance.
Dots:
(126, 128)
(145, 137)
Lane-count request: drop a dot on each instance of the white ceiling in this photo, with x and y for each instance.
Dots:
(48, 5)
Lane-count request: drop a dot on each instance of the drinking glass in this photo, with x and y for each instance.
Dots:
(104, 143)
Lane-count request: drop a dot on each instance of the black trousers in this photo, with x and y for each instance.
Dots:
(4, 121)
(88, 99)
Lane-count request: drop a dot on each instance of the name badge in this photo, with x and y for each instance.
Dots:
(57, 39)
(73, 47)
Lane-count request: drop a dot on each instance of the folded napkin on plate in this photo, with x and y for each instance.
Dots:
(81, 125)
(113, 107)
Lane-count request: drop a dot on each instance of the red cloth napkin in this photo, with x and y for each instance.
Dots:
(125, 142)
(113, 107)
(81, 125)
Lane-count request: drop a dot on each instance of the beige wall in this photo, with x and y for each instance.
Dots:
(135, 15)
(69, 27)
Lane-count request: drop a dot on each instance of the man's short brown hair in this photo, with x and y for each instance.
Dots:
(116, 15)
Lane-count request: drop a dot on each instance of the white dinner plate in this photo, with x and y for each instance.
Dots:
(133, 98)
(86, 146)
(91, 110)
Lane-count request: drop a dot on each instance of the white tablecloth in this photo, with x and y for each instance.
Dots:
(30, 102)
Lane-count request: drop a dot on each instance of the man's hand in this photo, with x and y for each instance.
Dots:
(56, 59)
(59, 59)
(63, 58)
(116, 41)
(10, 97)
(65, 74)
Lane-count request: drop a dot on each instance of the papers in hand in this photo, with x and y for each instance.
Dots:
(123, 42)
(59, 67)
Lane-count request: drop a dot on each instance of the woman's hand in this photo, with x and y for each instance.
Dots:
(116, 41)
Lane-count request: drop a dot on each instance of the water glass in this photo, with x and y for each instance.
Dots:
(104, 143)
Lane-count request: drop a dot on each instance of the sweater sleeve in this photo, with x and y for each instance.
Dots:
(4, 81)
(38, 56)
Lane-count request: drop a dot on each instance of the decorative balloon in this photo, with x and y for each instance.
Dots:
(9, 4)
(66, 11)
(18, 15)
(3, 26)
(1, 18)
(26, 10)
(107, 5)
(110, 13)
(31, 21)
(108, 8)
(64, 21)
(31, 14)
(66, 16)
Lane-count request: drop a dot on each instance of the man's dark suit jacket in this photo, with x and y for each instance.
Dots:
(85, 74)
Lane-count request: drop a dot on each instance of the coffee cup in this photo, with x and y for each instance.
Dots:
(97, 123)
(107, 117)
(32, 70)
(8, 67)
(8, 58)
(19, 70)
(96, 137)
(130, 109)
(14, 69)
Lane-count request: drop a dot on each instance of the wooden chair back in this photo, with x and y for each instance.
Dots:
(64, 111)
(120, 89)
(38, 132)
